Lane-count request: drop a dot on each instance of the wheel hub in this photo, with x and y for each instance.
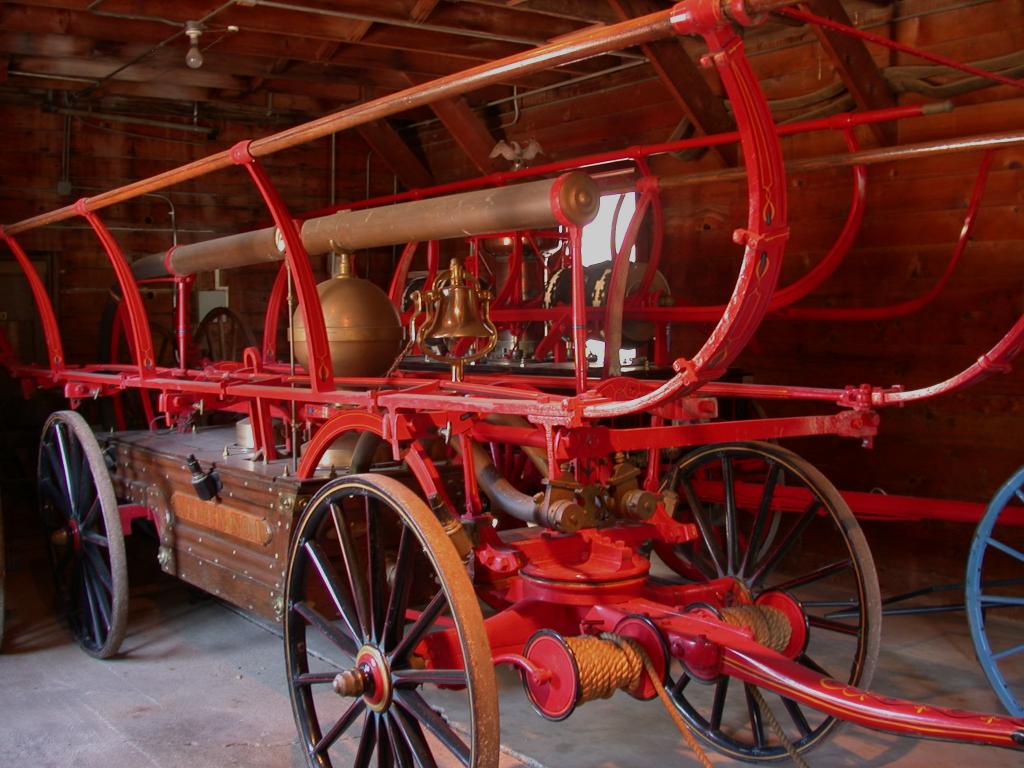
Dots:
(370, 678)
(68, 535)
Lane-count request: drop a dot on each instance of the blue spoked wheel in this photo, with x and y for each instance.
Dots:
(995, 593)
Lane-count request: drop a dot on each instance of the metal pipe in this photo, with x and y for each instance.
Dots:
(863, 157)
(589, 42)
(208, 132)
(538, 456)
(523, 206)
(562, 514)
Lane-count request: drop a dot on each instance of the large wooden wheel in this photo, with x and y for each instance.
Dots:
(223, 334)
(373, 587)
(80, 513)
(771, 522)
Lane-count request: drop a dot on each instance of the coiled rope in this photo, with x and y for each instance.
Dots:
(609, 662)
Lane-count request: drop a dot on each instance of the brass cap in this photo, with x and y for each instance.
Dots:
(578, 198)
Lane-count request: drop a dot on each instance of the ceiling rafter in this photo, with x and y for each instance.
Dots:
(380, 51)
(683, 79)
(396, 154)
(466, 127)
(855, 67)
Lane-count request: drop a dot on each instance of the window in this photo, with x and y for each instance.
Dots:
(597, 236)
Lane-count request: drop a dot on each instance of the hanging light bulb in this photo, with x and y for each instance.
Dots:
(194, 57)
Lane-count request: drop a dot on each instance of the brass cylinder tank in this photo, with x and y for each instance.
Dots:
(364, 331)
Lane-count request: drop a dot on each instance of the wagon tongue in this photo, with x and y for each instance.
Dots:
(871, 710)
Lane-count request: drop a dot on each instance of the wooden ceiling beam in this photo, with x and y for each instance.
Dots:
(466, 128)
(586, 11)
(168, 66)
(421, 9)
(385, 141)
(855, 67)
(683, 79)
(383, 45)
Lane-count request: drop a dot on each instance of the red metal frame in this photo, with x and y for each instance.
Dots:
(530, 577)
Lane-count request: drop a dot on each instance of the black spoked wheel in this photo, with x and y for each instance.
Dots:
(770, 521)
(79, 510)
(383, 634)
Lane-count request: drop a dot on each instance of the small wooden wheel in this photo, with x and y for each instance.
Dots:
(374, 590)
(80, 513)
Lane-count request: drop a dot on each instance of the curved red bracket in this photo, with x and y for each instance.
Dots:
(401, 275)
(321, 374)
(131, 299)
(331, 430)
(766, 233)
(51, 331)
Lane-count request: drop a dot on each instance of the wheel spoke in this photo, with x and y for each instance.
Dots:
(429, 676)
(399, 747)
(395, 618)
(420, 627)
(91, 607)
(100, 600)
(340, 726)
(731, 531)
(65, 466)
(834, 626)
(356, 580)
(807, 661)
(761, 518)
(1008, 652)
(1014, 553)
(414, 739)
(704, 525)
(376, 566)
(55, 480)
(718, 705)
(85, 483)
(417, 706)
(797, 716)
(100, 568)
(385, 758)
(367, 742)
(754, 714)
(816, 575)
(781, 549)
(95, 538)
(1000, 601)
(328, 629)
(680, 685)
(329, 578)
(92, 513)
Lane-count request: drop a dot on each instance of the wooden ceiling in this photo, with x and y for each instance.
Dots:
(273, 62)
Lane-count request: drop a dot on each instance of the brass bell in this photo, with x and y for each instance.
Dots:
(456, 308)
(458, 315)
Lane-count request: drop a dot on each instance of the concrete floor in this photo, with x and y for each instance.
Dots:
(201, 685)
